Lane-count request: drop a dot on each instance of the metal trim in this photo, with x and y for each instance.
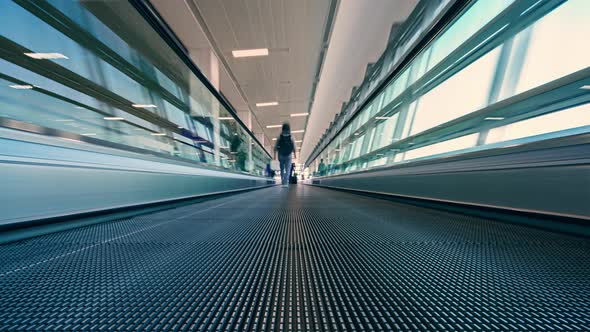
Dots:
(446, 201)
(561, 142)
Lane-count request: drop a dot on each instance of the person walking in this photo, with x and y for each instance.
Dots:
(322, 168)
(285, 147)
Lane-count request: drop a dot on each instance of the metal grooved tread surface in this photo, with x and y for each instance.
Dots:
(297, 259)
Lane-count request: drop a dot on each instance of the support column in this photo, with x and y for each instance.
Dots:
(246, 117)
(208, 64)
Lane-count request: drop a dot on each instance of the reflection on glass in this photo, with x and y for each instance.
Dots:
(464, 92)
(98, 70)
(447, 99)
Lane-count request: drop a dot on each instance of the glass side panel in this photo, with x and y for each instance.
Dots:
(495, 94)
(100, 71)
(572, 118)
(464, 92)
(480, 13)
(556, 45)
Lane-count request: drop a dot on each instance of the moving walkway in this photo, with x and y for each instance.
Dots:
(297, 259)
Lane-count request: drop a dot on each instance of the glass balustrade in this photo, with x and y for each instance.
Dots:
(98, 70)
(502, 73)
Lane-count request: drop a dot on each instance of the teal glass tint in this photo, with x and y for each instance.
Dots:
(552, 47)
(464, 92)
(502, 73)
(479, 14)
(100, 71)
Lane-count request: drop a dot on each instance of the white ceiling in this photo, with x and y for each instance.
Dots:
(359, 36)
(292, 30)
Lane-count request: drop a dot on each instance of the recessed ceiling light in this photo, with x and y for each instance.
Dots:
(158, 134)
(144, 105)
(250, 52)
(113, 118)
(21, 87)
(299, 114)
(494, 118)
(274, 126)
(225, 118)
(270, 103)
(585, 87)
(298, 131)
(40, 56)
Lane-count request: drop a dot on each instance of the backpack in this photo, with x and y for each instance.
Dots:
(285, 145)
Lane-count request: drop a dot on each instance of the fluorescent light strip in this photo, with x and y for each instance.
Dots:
(382, 117)
(531, 7)
(585, 87)
(113, 118)
(226, 118)
(270, 103)
(297, 131)
(158, 134)
(41, 56)
(144, 105)
(21, 87)
(274, 139)
(274, 126)
(299, 114)
(396, 105)
(250, 52)
(494, 118)
(89, 134)
(483, 42)
(298, 141)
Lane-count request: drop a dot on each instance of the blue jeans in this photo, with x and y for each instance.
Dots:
(285, 163)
